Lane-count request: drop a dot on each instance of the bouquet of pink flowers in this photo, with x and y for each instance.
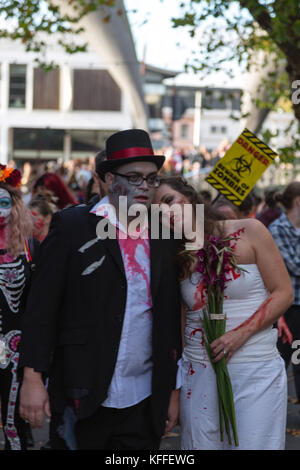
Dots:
(216, 261)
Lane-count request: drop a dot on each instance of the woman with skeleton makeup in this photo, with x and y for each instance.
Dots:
(15, 275)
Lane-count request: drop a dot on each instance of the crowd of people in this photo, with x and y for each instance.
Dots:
(188, 164)
(75, 357)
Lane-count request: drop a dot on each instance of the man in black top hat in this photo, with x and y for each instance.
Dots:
(103, 316)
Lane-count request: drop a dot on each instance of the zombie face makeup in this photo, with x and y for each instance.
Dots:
(123, 185)
(40, 224)
(5, 207)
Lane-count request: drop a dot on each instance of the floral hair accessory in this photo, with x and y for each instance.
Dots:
(10, 176)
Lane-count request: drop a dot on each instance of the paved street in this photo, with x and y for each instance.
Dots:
(172, 441)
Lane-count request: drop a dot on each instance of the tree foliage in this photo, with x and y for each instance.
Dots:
(31, 21)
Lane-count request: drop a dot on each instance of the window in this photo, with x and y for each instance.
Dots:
(46, 89)
(155, 111)
(17, 86)
(38, 139)
(89, 141)
(95, 90)
(217, 95)
(184, 131)
(218, 129)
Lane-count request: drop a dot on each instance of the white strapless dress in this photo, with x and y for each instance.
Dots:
(256, 370)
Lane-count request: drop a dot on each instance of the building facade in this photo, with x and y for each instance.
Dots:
(189, 117)
(65, 113)
(206, 116)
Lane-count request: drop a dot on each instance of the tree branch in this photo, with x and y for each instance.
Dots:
(259, 13)
(263, 18)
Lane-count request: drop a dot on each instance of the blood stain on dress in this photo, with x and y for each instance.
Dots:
(233, 274)
(191, 370)
(195, 331)
(200, 296)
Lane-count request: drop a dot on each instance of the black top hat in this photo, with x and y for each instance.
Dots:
(128, 146)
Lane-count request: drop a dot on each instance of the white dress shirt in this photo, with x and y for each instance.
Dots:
(131, 381)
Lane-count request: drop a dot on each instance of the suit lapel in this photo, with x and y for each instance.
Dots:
(110, 244)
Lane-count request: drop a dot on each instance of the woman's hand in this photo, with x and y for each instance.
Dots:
(283, 331)
(226, 345)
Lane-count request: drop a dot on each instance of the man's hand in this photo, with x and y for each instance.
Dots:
(34, 400)
(173, 411)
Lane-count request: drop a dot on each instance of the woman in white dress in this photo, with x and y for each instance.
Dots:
(254, 301)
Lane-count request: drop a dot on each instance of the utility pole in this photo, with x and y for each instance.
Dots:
(197, 119)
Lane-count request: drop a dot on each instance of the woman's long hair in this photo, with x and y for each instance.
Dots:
(59, 189)
(212, 218)
(20, 223)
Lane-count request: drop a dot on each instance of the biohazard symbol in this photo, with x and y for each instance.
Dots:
(242, 166)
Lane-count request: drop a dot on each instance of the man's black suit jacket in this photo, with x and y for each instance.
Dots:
(73, 320)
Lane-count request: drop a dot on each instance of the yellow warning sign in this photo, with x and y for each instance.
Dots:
(241, 167)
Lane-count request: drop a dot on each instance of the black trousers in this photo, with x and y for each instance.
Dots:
(118, 429)
(292, 318)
